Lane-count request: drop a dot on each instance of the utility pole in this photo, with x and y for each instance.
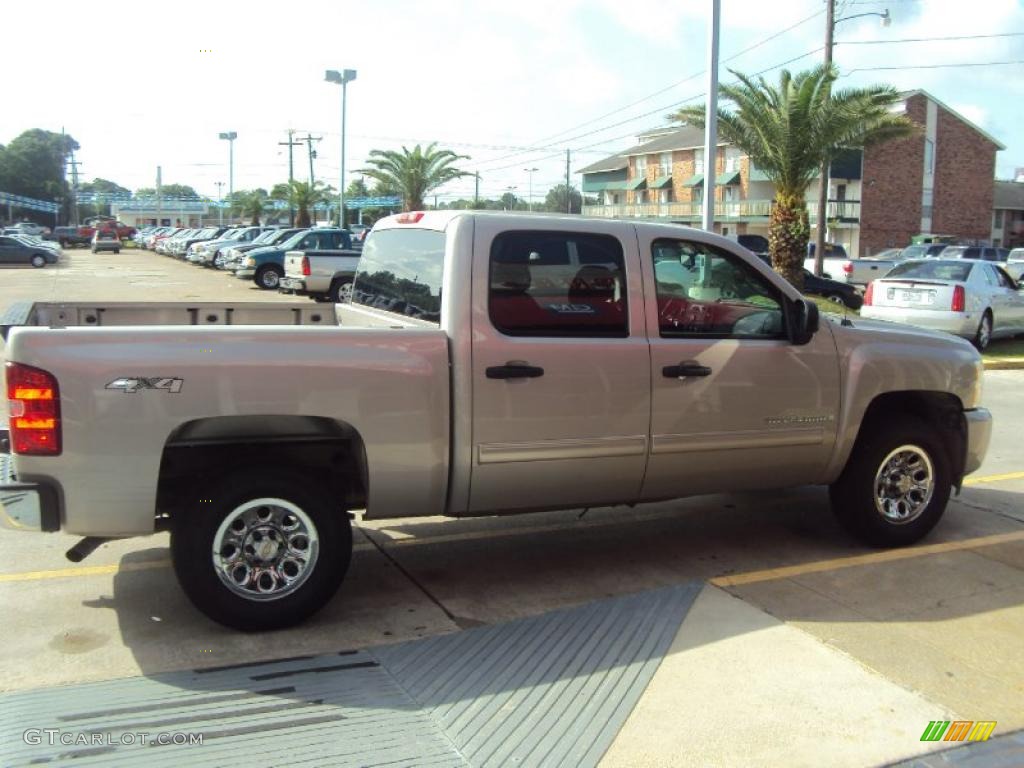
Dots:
(823, 181)
(312, 152)
(74, 188)
(159, 195)
(476, 190)
(711, 122)
(220, 202)
(568, 192)
(291, 172)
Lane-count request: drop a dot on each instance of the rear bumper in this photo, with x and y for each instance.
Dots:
(293, 285)
(26, 506)
(979, 432)
(958, 323)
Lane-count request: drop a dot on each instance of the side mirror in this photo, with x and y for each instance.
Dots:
(806, 321)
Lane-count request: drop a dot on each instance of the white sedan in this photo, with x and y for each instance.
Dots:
(966, 297)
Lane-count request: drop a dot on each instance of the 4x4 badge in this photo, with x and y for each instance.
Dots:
(132, 384)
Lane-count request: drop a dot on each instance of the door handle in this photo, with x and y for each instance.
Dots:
(513, 370)
(684, 370)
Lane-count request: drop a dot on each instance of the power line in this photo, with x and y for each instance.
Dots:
(929, 39)
(938, 66)
(661, 90)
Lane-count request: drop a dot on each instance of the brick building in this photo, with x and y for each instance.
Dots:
(938, 181)
(1008, 213)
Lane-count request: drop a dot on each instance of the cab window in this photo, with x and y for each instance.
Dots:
(557, 284)
(703, 291)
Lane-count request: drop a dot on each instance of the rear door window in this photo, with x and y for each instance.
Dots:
(557, 284)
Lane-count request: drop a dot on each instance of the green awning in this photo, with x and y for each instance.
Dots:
(601, 186)
(662, 181)
(756, 174)
(635, 184)
(729, 177)
(694, 181)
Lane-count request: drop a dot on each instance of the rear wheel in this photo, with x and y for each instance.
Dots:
(261, 549)
(340, 291)
(268, 277)
(984, 333)
(895, 485)
(835, 298)
(38, 261)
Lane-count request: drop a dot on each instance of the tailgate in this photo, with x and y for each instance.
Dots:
(917, 294)
(293, 263)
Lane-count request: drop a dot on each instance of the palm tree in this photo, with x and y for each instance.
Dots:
(253, 205)
(414, 174)
(304, 196)
(788, 131)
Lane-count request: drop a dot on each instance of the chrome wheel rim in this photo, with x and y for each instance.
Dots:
(904, 484)
(834, 298)
(265, 549)
(270, 279)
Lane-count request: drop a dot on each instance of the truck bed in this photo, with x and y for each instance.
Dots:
(120, 313)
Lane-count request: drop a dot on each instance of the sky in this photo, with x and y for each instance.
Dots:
(511, 85)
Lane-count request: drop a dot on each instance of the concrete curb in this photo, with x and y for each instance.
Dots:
(1009, 364)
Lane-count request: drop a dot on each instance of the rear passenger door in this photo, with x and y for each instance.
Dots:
(561, 385)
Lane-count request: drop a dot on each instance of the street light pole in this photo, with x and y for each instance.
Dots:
(823, 180)
(220, 203)
(230, 137)
(342, 78)
(711, 122)
(511, 198)
(529, 199)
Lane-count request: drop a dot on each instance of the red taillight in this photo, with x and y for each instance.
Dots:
(959, 299)
(305, 266)
(34, 405)
(848, 268)
(410, 217)
(869, 294)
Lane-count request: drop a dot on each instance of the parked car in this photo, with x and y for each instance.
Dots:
(982, 252)
(206, 253)
(922, 251)
(105, 240)
(29, 228)
(230, 258)
(688, 368)
(68, 237)
(839, 293)
(1015, 264)
(971, 298)
(323, 275)
(15, 250)
(35, 241)
(266, 265)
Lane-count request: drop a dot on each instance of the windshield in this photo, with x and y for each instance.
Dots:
(265, 237)
(400, 271)
(932, 270)
(914, 251)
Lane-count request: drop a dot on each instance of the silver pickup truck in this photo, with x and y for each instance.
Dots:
(324, 276)
(487, 363)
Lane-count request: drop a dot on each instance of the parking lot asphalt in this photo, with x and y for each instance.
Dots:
(802, 648)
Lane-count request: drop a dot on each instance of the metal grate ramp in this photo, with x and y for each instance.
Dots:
(547, 690)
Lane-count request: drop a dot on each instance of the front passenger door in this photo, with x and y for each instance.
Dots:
(735, 404)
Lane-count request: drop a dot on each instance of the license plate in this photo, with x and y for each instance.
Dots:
(916, 297)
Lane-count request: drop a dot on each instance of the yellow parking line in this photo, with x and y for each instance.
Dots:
(817, 566)
(993, 478)
(88, 570)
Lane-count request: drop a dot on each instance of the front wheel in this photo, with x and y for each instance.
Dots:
(261, 549)
(896, 484)
(38, 261)
(268, 277)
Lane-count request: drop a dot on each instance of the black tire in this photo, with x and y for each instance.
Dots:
(268, 277)
(335, 293)
(195, 531)
(983, 336)
(38, 261)
(117, 250)
(853, 495)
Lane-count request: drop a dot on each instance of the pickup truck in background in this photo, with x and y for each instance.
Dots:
(124, 232)
(838, 266)
(266, 265)
(322, 275)
(488, 363)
